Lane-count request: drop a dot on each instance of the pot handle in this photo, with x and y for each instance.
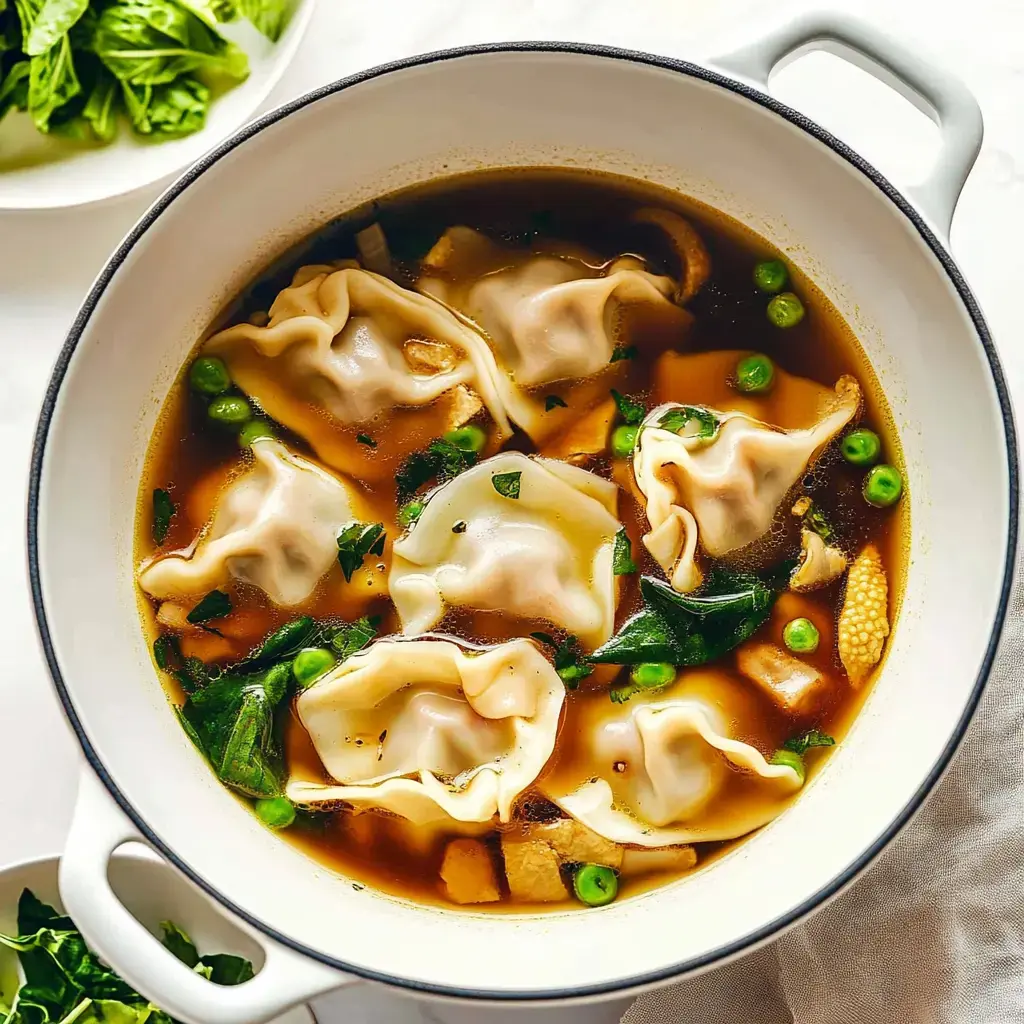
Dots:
(936, 93)
(98, 828)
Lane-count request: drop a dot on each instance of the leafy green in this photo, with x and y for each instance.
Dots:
(570, 663)
(440, 461)
(554, 402)
(621, 352)
(691, 421)
(269, 16)
(622, 555)
(357, 541)
(232, 722)
(284, 642)
(811, 738)
(220, 968)
(367, 440)
(52, 82)
(215, 605)
(167, 652)
(684, 629)
(100, 110)
(171, 109)
(163, 512)
(55, 19)
(630, 411)
(351, 637)
(507, 484)
(14, 88)
(815, 520)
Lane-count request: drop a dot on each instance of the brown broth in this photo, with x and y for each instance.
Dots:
(593, 210)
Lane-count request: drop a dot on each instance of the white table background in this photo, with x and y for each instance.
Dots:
(48, 260)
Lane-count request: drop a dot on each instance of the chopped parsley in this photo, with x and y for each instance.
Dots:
(554, 402)
(570, 663)
(814, 519)
(440, 460)
(507, 484)
(357, 541)
(631, 412)
(163, 512)
(812, 738)
(622, 555)
(691, 421)
(367, 440)
(621, 352)
(215, 605)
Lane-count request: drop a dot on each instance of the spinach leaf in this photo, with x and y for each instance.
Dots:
(622, 555)
(14, 88)
(570, 663)
(52, 82)
(440, 461)
(813, 518)
(284, 642)
(811, 738)
(225, 969)
(691, 421)
(232, 722)
(54, 20)
(554, 402)
(167, 653)
(215, 605)
(163, 512)
(269, 16)
(171, 109)
(100, 111)
(367, 440)
(631, 412)
(507, 484)
(193, 675)
(154, 42)
(687, 630)
(357, 541)
(179, 944)
(351, 637)
(621, 352)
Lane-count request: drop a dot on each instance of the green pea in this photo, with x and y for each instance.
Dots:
(411, 511)
(755, 374)
(791, 759)
(861, 447)
(883, 486)
(209, 376)
(595, 885)
(229, 411)
(624, 441)
(275, 812)
(649, 675)
(770, 276)
(801, 636)
(467, 439)
(310, 664)
(254, 430)
(785, 310)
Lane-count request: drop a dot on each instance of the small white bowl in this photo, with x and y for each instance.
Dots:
(40, 172)
(151, 892)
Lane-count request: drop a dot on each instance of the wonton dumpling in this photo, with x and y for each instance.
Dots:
(544, 555)
(658, 771)
(732, 483)
(345, 346)
(432, 732)
(550, 317)
(275, 527)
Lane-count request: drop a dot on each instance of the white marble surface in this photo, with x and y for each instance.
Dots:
(47, 262)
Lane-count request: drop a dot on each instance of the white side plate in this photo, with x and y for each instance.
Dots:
(40, 172)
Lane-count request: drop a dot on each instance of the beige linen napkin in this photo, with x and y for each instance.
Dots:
(933, 933)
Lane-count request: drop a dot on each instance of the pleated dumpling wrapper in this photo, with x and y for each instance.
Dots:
(430, 730)
(529, 537)
(345, 348)
(275, 526)
(550, 316)
(663, 769)
(723, 475)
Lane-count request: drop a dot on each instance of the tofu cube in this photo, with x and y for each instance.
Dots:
(532, 869)
(796, 687)
(659, 858)
(468, 872)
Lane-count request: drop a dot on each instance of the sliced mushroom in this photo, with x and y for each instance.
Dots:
(695, 263)
(820, 563)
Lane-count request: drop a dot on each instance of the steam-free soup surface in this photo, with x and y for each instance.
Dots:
(660, 357)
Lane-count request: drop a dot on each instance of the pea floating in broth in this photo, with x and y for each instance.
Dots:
(549, 565)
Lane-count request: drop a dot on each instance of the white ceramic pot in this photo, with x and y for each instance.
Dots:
(713, 134)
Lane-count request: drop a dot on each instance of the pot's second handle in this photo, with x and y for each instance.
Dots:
(935, 92)
(98, 828)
